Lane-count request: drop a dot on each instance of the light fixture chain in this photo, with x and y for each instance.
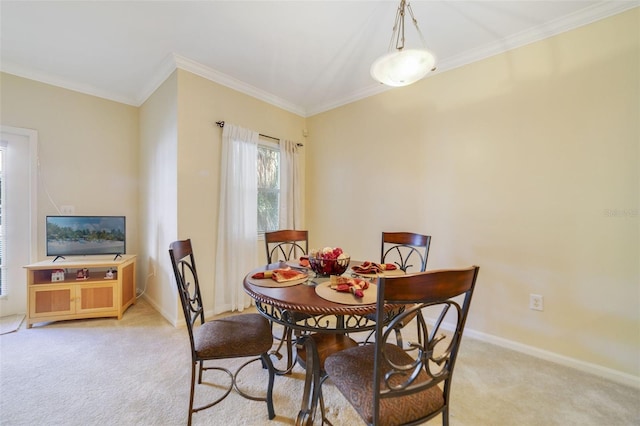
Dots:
(415, 23)
(400, 40)
(395, 35)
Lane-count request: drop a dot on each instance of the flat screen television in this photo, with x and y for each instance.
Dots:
(85, 235)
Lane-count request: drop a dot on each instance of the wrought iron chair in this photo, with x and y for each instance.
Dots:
(236, 336)
(387, 384)
(409, 251)
(286, 245)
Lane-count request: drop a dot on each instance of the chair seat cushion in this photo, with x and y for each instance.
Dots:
(234, 336)
(351, 371)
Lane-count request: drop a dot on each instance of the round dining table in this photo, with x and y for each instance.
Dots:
(323, 312)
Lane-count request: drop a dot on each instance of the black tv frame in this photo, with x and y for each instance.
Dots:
(86, 226)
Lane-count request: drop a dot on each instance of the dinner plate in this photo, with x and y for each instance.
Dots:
(392, 273)
(268, 282)
(296, 264)
(326, 292)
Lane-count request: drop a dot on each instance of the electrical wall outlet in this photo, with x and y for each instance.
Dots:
(67, 210)
(536, 302)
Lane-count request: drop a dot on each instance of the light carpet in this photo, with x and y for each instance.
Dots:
(10, 323)
(136, 372)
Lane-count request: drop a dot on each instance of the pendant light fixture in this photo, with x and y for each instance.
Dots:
(401, 67)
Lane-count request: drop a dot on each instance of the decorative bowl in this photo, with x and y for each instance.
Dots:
(326, 267)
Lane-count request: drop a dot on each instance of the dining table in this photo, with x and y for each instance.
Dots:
(324, 311)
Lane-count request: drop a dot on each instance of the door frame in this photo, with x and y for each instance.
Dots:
(32, 137)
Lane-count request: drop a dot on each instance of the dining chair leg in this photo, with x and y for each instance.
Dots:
(191, 394)
(272, 373)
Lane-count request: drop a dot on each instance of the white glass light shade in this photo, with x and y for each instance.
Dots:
(403, 67)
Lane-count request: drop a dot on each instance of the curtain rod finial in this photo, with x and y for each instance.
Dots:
(220, 123)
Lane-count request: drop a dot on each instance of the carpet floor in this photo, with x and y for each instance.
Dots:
(10, 323)
(136, 372)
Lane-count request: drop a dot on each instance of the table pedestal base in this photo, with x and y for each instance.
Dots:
(312, 351)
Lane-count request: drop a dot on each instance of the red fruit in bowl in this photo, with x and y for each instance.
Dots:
(329, 261)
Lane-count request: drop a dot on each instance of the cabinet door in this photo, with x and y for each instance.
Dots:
(96, 297)
(51, 300)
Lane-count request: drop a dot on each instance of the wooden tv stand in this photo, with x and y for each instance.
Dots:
(72, 298)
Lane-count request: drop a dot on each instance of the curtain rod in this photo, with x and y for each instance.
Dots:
(221, 125)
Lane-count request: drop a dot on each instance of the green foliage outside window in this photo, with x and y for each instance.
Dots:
(268, 188)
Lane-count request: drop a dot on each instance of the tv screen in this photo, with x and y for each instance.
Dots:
(85, 235)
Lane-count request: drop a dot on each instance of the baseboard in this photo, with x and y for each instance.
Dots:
(157, 307)
(607, 373)
(179, 322)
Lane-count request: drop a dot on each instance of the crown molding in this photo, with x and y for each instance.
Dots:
(357, 95)
(173, 61)
(233, 83)
(20, 71)
(570, 22)
(164, 70)
(578, 19)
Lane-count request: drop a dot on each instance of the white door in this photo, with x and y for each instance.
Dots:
(19, 214)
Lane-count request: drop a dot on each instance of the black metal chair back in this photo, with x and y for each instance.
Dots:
(409, 251)
(184, 269)
(286, 244)
(434, 360)
(388, 384)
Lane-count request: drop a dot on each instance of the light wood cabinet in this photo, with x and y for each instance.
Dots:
(73, 298)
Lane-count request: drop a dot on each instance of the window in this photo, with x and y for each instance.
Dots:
(268, 187)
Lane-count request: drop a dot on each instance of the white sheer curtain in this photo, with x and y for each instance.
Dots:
(290, 188)
(236, 249)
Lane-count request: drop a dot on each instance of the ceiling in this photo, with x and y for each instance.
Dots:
(304, 56)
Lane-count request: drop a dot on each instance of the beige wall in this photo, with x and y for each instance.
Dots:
(180, 158)
(157, 164)
(200, 104)
(514, 163)
(158, 196)
(87, 148)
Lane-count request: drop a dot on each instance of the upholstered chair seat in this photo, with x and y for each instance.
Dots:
(234, 336)
(350, 371)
